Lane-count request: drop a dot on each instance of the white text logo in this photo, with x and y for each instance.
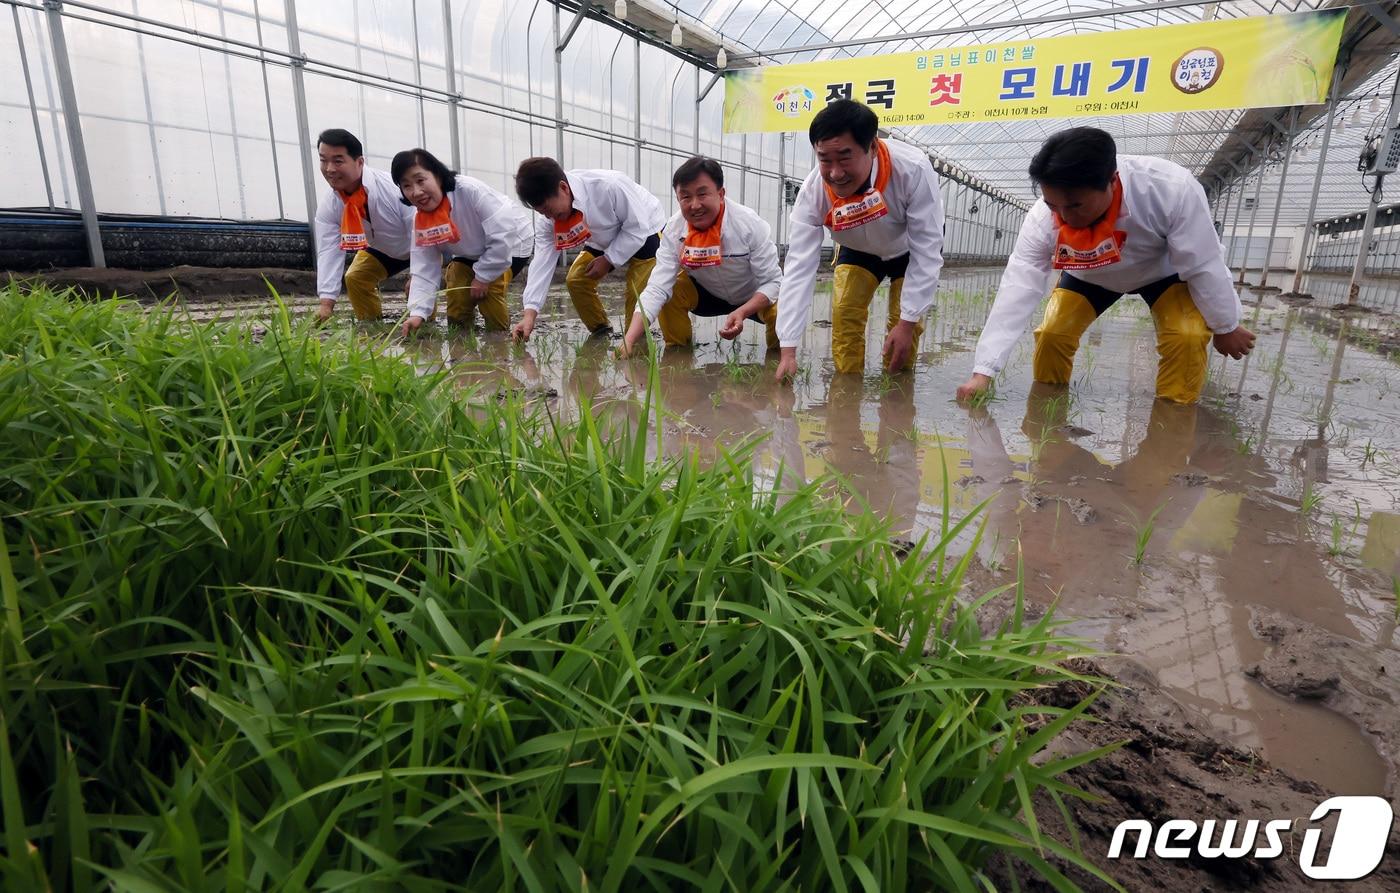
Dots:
(1363, 824)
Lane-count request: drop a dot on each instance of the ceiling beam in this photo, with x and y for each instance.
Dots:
(987, 26)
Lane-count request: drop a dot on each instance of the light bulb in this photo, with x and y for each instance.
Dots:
(1375, 105)
(676, 35)
(620, 10)
(721, 59)
(1356, 117)
(1341, 124)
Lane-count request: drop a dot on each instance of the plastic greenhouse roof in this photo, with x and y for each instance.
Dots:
(778, 31)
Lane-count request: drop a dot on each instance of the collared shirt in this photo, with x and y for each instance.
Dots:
(389, 227)
(1169, 229)
(914, 225)
(749, 261)
(492, 228)
(620, 214)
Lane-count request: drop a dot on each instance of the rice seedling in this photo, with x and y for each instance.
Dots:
(986, 397)
(1341, 534)
(1369, 454)
(1143, 529)
(1056, 409)
(737, 371)
(1311, 498)
(283, 612)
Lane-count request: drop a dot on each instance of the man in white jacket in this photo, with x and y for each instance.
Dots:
(880, 200)
(363, 214)
(716, 258)
(611, 220)
(484, 236)
(1114, 225)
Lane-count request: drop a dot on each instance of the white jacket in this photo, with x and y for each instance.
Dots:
(620, 214)
(389, 229)
(913, 225)
(1169, 230)
(493, 230)
(749, 261)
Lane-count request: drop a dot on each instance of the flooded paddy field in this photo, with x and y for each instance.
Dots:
(1240, 557)
(1245, 551)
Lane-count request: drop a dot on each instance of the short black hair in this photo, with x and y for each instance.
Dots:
(694, 168)
(446, 177)
(845, 116)
(1077, 158)
(343, 139)
(538, 179)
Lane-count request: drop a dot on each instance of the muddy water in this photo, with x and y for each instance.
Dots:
(1162, 531)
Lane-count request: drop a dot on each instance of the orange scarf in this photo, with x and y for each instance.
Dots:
(701, 247)
(1091, 247)
(571, 233)
(860, 209)
(435, 227)
(352, 220)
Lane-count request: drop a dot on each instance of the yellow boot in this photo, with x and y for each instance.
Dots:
(493, 307)
(897, 289)
(1182, 339)
(461, 309)
(362, 285)
(675, 314)
(1057, 337)
(457, 288)
(769, 318)
(851, 290)
(638, 272)
(583, 291)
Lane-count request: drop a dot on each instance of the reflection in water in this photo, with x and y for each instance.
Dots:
(883, 470)
(1184, 609)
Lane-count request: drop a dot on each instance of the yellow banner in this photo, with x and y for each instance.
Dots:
(1234, 63)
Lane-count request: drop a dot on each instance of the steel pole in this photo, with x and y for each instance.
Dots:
(34, 108)
(450, 64)
(558, 91)
(1278, 201)
(696, 141)
(1338, 72)
(1229, 194)
(782, 186)
(68, 94)
(1358, 272)
(267, 105)
(637, 105)
(1253, 215)
(298, 62)
(1239, 212)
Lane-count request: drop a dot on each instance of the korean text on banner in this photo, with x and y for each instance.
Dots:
(1254, 62)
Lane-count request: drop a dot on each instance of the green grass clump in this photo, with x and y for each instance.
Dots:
(282, 614)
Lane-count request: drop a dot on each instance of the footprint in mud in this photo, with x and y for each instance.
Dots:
(1191, 478)
(1081, 509)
